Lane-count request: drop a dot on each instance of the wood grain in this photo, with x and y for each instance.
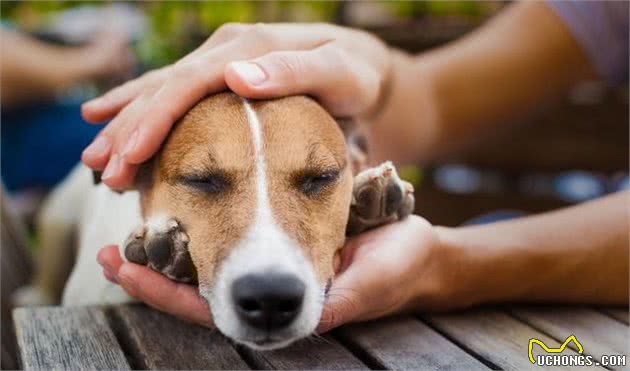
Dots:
(160, 341)
(406, 343)
(493, 335)
(598, 334)
(67, 338)
(315, 353)
(620, 314)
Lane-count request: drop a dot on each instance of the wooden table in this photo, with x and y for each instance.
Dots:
(134, 336)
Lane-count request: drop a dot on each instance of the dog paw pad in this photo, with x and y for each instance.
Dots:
(162, 247)
(379, 197)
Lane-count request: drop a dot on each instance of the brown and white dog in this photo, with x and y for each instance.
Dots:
(250, 199)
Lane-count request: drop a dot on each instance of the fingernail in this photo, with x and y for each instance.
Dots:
(131, 143)
(94, 103)
(112, 167)
(250, 72)
(99, 146)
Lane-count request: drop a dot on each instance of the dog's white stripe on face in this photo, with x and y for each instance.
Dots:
(264, 248)
(264, 215)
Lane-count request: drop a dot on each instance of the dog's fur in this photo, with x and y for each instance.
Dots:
(239, 187)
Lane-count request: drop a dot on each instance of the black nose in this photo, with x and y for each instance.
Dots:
(268, 301)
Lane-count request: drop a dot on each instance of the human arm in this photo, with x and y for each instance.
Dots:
(574, 255)
(578, 254)
(518, 63)
(32, 69)
(421, 107)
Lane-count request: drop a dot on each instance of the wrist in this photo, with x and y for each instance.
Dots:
(470, 273)
(490, 265)
(404, 127)
(385, 86)
(445, 281)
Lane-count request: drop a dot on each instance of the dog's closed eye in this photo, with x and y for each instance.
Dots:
(208, 183)
(313, 183)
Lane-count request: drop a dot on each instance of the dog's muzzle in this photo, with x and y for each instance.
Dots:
(268, 302)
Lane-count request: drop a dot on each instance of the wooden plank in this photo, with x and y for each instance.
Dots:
(159, 341)
(15, 271)
(493, 335)
(67, 338)
(620, 314)
(406, 343)
(598, 334)
(314, 353)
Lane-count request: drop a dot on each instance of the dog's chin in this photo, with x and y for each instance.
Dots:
(267, 344)
(228, 324)
(263, 340)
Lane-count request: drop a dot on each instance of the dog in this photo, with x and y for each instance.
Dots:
(250, 200)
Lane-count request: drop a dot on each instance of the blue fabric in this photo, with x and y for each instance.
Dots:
(41, 144)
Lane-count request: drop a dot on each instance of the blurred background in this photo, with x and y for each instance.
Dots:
(576, 152)
(74, 50)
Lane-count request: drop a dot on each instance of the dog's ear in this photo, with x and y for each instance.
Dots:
(356, 142)
(96, 176)
(144, 176)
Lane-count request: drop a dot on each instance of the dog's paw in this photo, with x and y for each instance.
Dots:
(379, 197)
(162, 245)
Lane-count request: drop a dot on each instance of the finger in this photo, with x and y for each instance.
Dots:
(190, 81)
(96, 155)
(109, 258)
(187, 84)
(112, 137)
(347, 300)
(225, 33)
(344, 84)
(118, 174)
(106, 106)
(343, 304)
(348, 251)
(156, 290)
(110, 276)
(350, 296)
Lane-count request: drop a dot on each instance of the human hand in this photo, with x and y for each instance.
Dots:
(154, 289)
(390, 269)
(344, 69)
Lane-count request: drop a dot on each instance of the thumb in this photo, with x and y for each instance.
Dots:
(345, 302)
(345, 85)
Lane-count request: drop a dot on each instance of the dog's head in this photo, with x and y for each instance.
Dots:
(263, 191)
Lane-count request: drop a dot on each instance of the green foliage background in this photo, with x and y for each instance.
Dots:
(176, 27)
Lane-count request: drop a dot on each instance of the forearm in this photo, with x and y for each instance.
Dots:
(518, 62)
(31, 69)
(574, 255)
